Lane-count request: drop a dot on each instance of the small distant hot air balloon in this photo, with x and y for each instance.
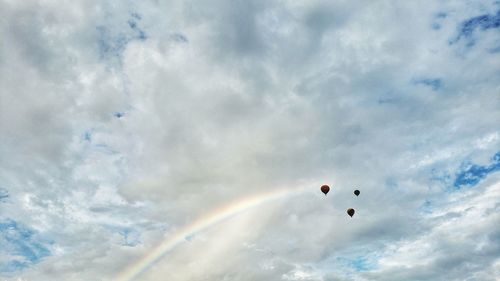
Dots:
(325, 188)
(356, 192)
(350, 212)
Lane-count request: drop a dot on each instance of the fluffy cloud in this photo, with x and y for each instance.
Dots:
(122, 122)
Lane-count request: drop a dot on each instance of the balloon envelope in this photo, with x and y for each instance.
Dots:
(356, 192)
(325, 188)
(350, 212)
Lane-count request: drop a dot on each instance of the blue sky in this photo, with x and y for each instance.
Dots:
(123, 121)
(20, 243)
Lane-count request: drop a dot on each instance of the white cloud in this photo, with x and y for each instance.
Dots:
(222, 100)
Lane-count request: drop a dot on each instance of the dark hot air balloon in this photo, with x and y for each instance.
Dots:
(350, 212)
(325, 188)
(356, 192)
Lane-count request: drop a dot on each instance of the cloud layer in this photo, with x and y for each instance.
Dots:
(121, 122)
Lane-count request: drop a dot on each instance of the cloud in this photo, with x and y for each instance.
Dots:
(452, 248)
(120, 123)
(3, 195)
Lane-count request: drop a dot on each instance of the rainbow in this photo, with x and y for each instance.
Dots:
(200, 224)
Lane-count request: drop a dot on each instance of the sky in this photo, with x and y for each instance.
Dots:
(187, 140)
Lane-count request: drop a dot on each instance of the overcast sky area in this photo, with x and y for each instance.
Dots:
(123, 121)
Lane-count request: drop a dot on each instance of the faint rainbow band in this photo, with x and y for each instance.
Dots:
(202, 223)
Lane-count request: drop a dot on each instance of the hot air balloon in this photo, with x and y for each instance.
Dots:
(325, 188)
(356, 192)
(350, 212)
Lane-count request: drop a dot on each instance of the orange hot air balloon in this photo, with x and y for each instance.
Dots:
(350, 212)
(325, 188)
